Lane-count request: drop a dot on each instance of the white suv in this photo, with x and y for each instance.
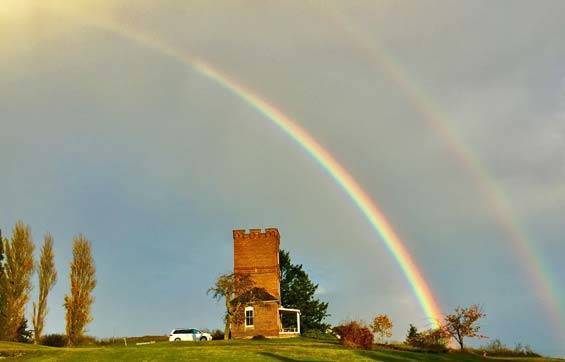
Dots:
(178, 335)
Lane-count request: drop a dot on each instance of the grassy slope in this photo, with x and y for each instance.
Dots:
(276, 350)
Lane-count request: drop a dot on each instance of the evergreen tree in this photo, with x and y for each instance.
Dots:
(412, 335)
(298, 291)
(23, 335)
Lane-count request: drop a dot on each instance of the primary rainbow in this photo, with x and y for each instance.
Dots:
(371, 211)
(341, 176)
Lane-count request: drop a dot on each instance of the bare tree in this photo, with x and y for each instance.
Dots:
(47, 278)
(83, 281)
(463, 323)
(228, 287)
(18, 270)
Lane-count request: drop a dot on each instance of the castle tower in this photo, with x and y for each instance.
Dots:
(257, 253)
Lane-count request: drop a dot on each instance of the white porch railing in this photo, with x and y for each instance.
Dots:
(289, 330)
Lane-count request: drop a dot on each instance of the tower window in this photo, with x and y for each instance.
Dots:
(249, 316)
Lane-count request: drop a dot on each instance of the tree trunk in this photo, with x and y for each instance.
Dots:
(227, 329)
(228, 321)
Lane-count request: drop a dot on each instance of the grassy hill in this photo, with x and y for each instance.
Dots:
(264, 350)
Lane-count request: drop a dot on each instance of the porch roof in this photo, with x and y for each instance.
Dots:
(289, 310)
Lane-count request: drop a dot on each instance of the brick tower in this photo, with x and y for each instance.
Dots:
(257, 253)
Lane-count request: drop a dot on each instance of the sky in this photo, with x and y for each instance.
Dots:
(110, 136)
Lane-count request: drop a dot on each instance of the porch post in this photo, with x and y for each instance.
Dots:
(298, 321)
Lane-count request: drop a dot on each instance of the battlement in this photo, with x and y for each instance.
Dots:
(269, 233)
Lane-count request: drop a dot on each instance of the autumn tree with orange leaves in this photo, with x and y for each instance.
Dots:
(228, 287)
(382, 327)
(83, 281)
(463, 323)
(47, 278)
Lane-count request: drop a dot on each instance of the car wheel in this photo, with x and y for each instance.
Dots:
(177, 339)
(203, 338)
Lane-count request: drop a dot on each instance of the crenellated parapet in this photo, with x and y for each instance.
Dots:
(256, 234)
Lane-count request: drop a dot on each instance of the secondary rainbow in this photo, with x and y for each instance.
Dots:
(365, 204)
(537, 271)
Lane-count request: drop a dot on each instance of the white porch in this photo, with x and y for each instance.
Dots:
(289, 331)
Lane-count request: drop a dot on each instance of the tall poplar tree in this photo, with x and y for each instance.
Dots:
(78, 302)
(47, 277)
(18, 269)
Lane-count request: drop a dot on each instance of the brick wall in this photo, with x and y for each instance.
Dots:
(257, 253)
(265, 322)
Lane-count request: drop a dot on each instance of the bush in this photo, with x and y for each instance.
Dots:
(432, 339)
(497, 348)
(259, 337)
(108, 341)
(355, 334)
(317, 334)
(54, 340)
(87, 340)
(217, 334)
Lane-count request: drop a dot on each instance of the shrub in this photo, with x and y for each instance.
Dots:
(497, 348)
(54, 340)
(87, 340)
(108, 341)
(259, 337)
(355, 334)
(317, 334)
(217, 334)
(432, 339)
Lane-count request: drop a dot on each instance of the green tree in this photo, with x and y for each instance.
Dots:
(298, 291)
(412, 335)
(23, 335)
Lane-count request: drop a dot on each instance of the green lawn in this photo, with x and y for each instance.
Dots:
(269, 350)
